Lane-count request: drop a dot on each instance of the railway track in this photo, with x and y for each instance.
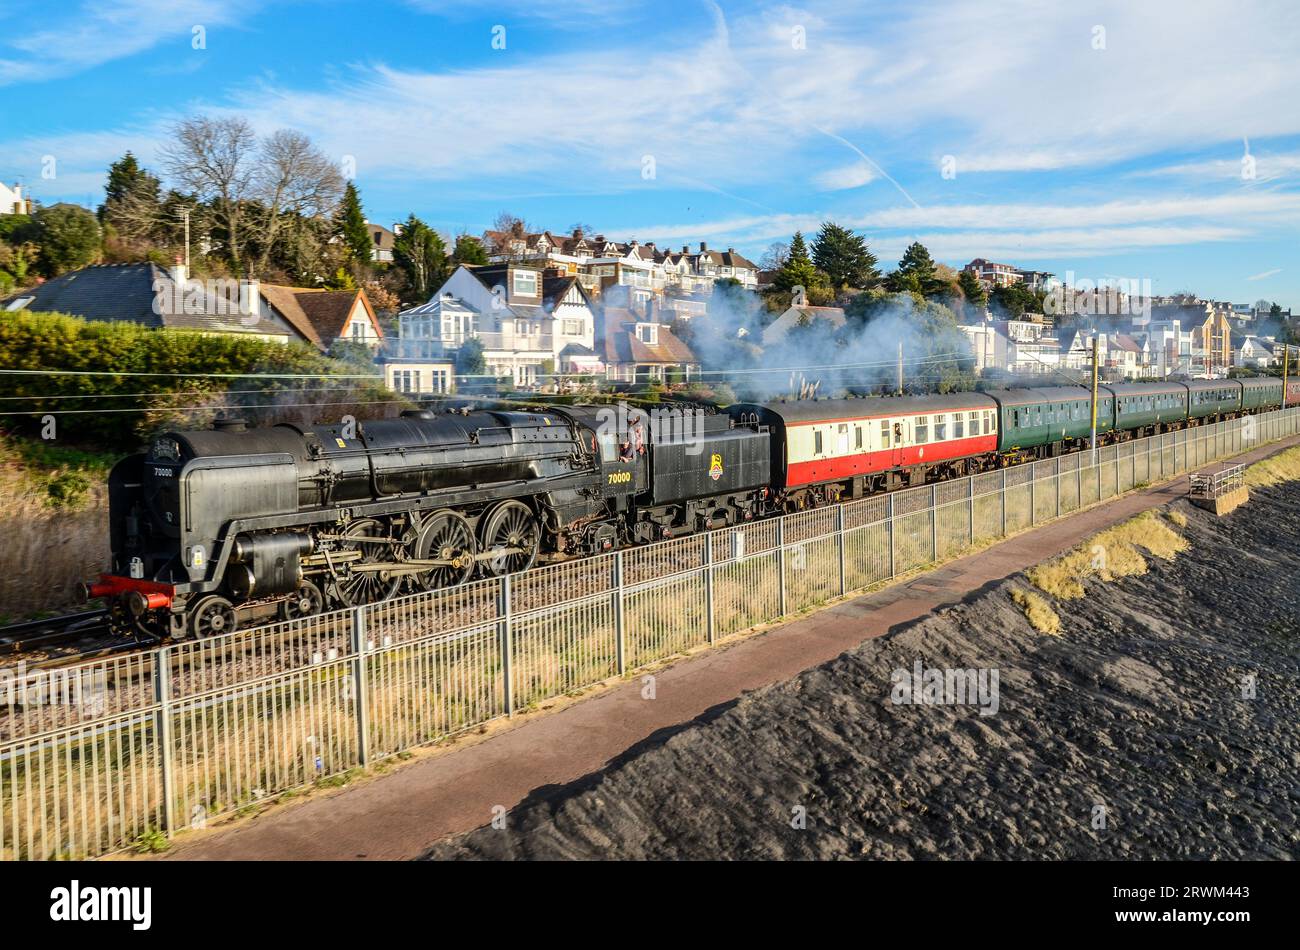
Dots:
(55, 641)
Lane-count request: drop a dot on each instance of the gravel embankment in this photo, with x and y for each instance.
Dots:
(1136, 707)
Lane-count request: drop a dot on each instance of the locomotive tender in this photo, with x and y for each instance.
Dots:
(214, 529)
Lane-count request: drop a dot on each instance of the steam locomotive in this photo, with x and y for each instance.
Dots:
(215, 529)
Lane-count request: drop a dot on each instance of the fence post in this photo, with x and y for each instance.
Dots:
(892, 570)
(970, 509)
(1116, 469)
(934, 524)
(708, 587)
(361, 691)
(1033, 494)
(507, 645)
(1078, 482)
(162, 695)
(1004, 503)
(1058, 486)
(620, 647)
(839, 534)
(780, 564)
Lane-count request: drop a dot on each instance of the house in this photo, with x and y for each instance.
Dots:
(640, 350)
(162, 298)
(383, 239)
(325, 317)
(12, 200)
(1128, 356)
(777, 330)
(992, 274)
(716, 265)
(1253, 351)
(529, 323)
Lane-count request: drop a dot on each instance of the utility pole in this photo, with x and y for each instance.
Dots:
(900, 367)
(186, 213)
(1093, 442)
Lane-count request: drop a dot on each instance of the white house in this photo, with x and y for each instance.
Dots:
(12, 200)
(529, 323)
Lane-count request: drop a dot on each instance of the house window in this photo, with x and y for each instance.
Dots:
(572, 327)
(525, 283)
(921, 432)
(358, 331)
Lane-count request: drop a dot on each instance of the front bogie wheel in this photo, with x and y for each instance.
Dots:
(213, 616)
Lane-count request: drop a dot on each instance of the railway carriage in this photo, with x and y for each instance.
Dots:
(1212, 399)
(825, 449)
(1260, 393)
(1040, 423)
(1147, 408)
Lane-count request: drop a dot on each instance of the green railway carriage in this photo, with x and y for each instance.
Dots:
(1037, 417)
(1264, 392)
(1213, 397)
(1146, 405)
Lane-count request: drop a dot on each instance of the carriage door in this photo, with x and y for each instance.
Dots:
(898, 432)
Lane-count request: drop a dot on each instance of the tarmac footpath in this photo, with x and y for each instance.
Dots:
(400, 815)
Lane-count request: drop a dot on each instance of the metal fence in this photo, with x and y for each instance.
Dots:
(123, 748)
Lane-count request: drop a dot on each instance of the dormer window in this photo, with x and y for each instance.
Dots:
(648, 333)
(525, 283)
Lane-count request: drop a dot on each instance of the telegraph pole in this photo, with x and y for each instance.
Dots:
(1093, 442)
(900, 367)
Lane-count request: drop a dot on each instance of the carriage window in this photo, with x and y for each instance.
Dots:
(1016, 419)
(921, 434)
(817, 442)
(1038, 417)
(958, 425)
(974, 421)
(884, 433)
(940, 428)
(857, 436)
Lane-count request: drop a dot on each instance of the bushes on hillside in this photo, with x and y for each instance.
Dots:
(186, 379)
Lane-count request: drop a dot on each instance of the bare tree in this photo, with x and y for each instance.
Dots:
(774, 258)
(293, 177)
(214, 159)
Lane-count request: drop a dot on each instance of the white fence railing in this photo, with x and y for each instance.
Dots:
(155, 742)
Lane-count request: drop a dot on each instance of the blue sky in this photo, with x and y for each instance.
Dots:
(1155, 140)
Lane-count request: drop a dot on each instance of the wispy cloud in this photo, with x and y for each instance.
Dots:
(1265, 274)
(97, 33)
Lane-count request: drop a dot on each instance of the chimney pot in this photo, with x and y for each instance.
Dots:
(703, 247)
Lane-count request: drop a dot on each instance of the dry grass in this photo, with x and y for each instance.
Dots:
(1115, 552)
(46, 551)
(1283, 467)
(1038, 611)
(1178, 518)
